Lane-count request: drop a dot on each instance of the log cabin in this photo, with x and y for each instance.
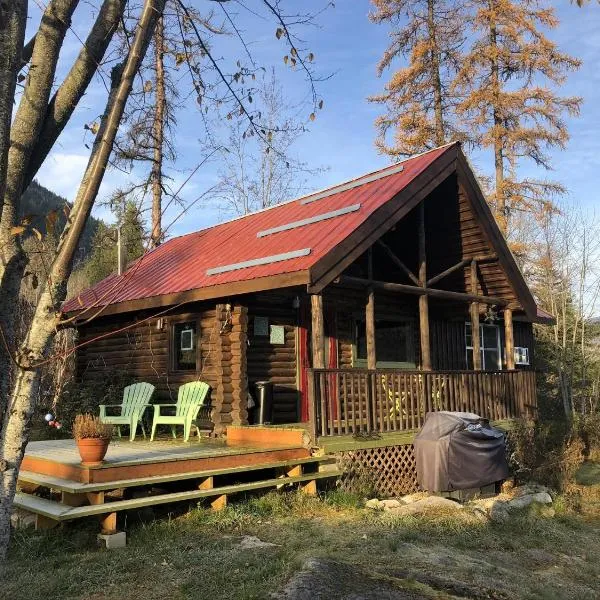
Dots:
(365, 305)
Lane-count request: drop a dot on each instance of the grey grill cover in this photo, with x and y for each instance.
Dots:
(458, 451)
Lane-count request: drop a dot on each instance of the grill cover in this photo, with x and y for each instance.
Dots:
(459, 451)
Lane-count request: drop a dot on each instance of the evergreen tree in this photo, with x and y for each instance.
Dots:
(419, 105)
(103, 260)
(508, 83)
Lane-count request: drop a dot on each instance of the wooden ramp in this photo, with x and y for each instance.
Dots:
(56, 487)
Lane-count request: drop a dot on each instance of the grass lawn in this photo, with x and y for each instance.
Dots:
(198, 554)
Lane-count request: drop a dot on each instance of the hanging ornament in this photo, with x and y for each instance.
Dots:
(49, 417)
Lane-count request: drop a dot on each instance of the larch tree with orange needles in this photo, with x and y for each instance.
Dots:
(508, 85)
(419, 108)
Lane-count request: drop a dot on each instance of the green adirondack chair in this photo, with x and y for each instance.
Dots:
(136, 398)
(190, 399)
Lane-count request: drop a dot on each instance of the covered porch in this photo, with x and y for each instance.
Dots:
(460, 347)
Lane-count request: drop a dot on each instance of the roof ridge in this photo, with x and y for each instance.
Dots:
(319, 191)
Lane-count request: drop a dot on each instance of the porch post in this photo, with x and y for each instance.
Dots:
(475, 339)
(370, 319)
(317, 332)
(423, 298)
(370, 331)
(509, 343)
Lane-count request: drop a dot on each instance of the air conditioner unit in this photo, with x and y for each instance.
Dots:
(521, 355)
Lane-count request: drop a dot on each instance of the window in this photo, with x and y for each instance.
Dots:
(184, 346)
(489, 340)
(393, 343)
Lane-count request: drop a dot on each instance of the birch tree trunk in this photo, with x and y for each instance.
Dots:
(16, 425)
(13, 16)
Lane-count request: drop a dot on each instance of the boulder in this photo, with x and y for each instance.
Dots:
(523, 501)
(389, 504)
(374, 504)
(251, 542)
(425, 505)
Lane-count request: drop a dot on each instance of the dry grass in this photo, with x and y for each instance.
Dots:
(89, 426)
(197, 555)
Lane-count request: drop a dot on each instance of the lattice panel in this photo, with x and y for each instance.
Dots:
(390, 470)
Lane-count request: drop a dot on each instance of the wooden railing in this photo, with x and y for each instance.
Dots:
(360, 401)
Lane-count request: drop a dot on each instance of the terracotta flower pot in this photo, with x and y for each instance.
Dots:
(92, 450)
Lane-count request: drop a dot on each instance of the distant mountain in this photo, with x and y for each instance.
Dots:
(39, 201)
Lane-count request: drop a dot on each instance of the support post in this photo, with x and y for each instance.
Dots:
(509, 342)
(317, 332)
(475, 335)
(423, 299)
(370, 330)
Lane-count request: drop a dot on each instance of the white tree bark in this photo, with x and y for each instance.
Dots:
(16, 425)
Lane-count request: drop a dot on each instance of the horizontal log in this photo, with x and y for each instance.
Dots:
(418, 291)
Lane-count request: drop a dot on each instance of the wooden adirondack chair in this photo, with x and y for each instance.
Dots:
(136, 398)
(190, 399)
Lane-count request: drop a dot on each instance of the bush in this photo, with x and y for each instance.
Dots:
(549, 452)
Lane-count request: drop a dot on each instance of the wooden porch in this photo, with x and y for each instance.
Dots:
(56, 487)
(364, 402)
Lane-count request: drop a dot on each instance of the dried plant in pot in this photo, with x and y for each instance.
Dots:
(92, 437)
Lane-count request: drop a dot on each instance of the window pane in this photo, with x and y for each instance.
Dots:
(469, 341)
(184, 342)
(393, 341)
(489, 337)
(490, 359)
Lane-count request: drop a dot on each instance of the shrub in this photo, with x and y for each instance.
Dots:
(549, 452)
(89, 426)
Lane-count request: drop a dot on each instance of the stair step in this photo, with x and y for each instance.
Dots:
(62, 512)
(74, 487)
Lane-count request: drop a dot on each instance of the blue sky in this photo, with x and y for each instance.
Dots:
(347, 45)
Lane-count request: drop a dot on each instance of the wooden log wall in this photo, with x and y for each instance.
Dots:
(273, 362)
(143, 353)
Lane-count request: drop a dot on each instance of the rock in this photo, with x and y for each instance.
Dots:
(251, 542)
(500, 512)
(524, 501)
(528, 489)
(325, 578)
(374, 504)
(21, 519)
(389, 504)
(410, 498)
(425, 505)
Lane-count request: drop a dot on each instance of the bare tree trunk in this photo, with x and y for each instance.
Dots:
(501, 208)
(13, 16)
(158, 135)
(15, 430)
(23, 135)
(440, 134)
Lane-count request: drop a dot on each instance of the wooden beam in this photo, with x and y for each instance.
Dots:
(317, 332)
(370, 319)
(398, 262)
(463, 263)
(381, 221)
(509, 342)
(370, 330)
(475, 335)
(423, 299)
(401, 288)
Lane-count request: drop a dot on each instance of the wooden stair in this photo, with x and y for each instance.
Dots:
(80, 500)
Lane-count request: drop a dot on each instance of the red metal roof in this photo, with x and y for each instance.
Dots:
(181, 263)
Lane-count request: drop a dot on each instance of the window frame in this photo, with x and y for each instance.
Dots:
(172, 354)
(482, 348)
(361, 363)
